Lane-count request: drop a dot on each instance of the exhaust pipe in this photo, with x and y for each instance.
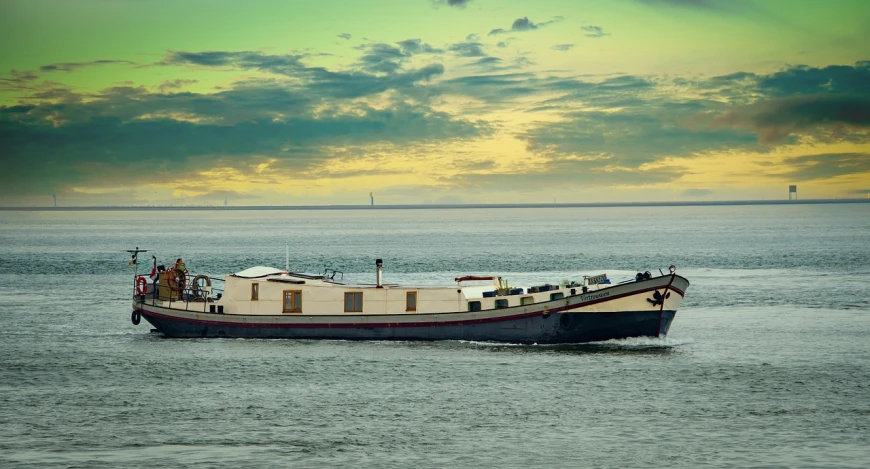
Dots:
(379, 263)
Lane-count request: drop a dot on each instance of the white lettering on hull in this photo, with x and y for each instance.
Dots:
(594, 296)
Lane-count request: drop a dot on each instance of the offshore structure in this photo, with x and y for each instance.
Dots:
(792, 192)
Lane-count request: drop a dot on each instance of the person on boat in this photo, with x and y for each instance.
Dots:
(180, 276)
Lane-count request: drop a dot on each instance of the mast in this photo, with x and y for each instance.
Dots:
(134, 261)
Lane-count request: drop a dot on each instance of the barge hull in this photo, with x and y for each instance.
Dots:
(541, 328)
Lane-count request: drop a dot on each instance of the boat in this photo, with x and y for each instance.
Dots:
(269, 303)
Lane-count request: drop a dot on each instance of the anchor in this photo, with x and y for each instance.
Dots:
(658, 298)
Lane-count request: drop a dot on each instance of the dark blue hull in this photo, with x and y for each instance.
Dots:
(553, 328)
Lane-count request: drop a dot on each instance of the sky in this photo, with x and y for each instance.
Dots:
(284, 102)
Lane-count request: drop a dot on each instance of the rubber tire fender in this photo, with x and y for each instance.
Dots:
(135, 317)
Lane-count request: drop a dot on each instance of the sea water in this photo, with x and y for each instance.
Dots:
(767, 363)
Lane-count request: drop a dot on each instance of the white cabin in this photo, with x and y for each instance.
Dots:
(268, 291)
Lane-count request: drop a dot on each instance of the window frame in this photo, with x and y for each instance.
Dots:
(474, 306)
(527, 300)
(294, 295)
(353, 302)
(408, 307)
(556, 296)
(255, 291)
(502, 303)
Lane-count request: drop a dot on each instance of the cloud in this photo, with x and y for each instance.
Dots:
(310, 121)
(417, 46)
(801, 79)
(320, 81)
(563, 47)
(826, 165)
(467, 49)
(594, 31)
(524, 24)
(458, 3)
(59, 138)
(70, 66)
(776, 119)
(345, 36)
(382, 58)
(175, 84)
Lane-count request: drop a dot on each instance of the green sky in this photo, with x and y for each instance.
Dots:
(423, 101)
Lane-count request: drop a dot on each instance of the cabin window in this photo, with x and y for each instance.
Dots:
(353, 302)
(500, 304)
(292, 301)
(556, 296)
(527, 300)
(411, 301)
(474, 306)
(255, 291)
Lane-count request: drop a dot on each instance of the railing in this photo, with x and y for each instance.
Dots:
(191, 298)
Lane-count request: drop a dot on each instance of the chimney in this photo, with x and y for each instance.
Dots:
(379, 263)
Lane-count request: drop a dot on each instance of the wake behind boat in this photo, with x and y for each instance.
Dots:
(264, 302)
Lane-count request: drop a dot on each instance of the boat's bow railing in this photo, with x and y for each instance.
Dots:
(194, 298)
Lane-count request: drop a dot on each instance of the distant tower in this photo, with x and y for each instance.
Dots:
(225, 202)
(372, 197)
(54, 196)
(792, 192)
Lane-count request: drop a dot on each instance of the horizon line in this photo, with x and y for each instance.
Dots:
(434, 206)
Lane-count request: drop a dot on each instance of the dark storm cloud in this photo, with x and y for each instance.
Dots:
(594, 31)
(776, 119)
(524, 24)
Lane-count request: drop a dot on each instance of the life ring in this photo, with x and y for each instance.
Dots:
(135, 318)
(141, 285)
(199, 290)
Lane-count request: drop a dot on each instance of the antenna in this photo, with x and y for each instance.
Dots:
(286, 256)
